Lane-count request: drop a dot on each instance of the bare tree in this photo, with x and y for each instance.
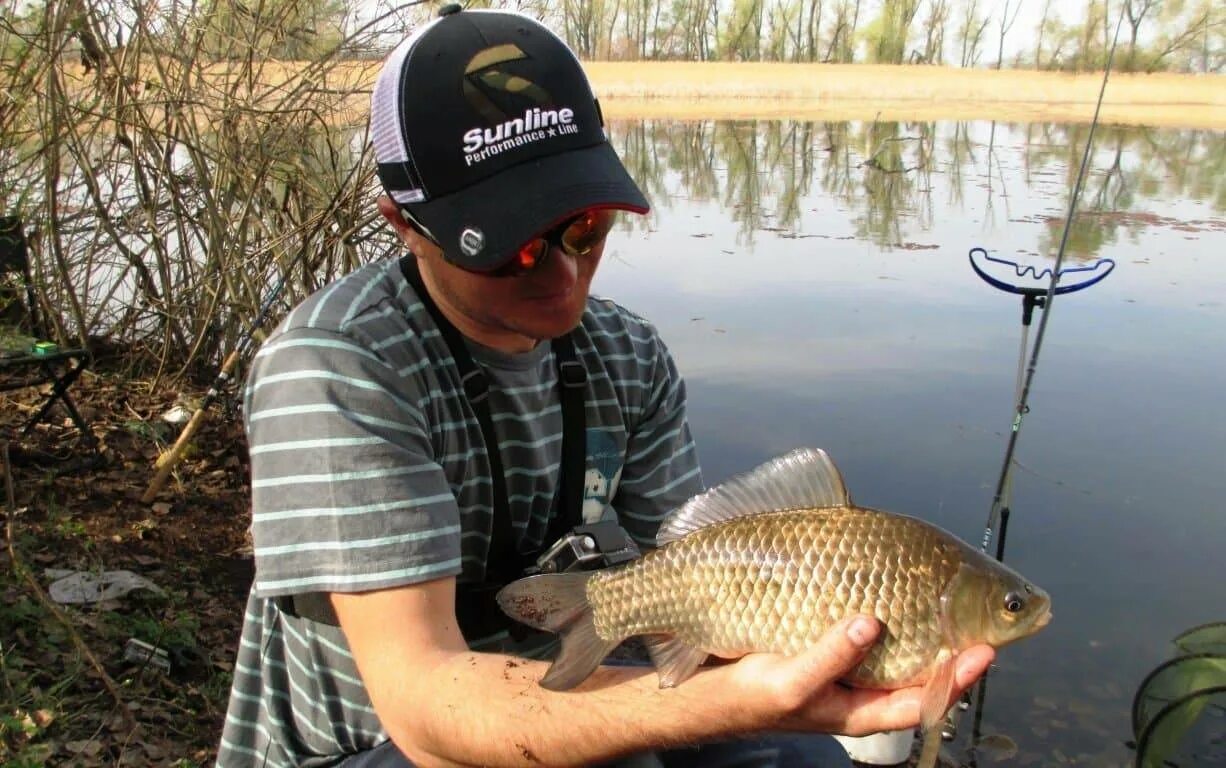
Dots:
(1040, 30)
(841, 47)
(813, 29)
(1183, 36)
(934, 32)
(970, 34)
(1006, 23)
(1135, 11)
(889, 33)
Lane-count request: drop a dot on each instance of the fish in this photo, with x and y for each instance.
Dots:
(770, 560)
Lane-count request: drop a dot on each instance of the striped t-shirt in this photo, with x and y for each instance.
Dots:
(368, 471)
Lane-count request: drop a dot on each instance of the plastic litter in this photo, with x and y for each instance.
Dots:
(86, 587)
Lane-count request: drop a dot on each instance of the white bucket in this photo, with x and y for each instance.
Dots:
(886, 748)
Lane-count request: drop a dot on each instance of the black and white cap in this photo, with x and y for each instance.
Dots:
(486, 132)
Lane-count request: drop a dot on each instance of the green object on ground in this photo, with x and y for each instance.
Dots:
(1181, 704)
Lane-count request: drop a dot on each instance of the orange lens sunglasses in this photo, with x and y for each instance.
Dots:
(576, 236)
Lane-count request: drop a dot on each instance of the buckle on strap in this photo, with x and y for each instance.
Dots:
(476, 386)
(572, 374)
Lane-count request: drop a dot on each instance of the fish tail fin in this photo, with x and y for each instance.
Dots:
(557, 602)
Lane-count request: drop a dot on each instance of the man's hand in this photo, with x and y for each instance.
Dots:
(802, 693)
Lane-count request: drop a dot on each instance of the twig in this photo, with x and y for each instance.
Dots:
(20, 568)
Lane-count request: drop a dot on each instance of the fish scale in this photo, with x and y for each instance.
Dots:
(777, 581)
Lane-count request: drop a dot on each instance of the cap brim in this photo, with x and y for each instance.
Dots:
(514, 206)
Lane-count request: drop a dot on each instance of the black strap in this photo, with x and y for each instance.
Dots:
(476, 610)
(572, 381)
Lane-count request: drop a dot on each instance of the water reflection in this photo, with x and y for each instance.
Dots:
(883, 174)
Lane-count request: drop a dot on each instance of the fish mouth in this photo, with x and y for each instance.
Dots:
(1044, 620)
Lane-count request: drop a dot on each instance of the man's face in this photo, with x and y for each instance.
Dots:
(507, 313)
(541, 304)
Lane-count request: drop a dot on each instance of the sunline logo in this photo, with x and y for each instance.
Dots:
(553, 121)
(489, 86)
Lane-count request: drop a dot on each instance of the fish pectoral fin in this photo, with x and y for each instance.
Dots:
(931, 750)
(937, 691)
(933, 706)
(675, 661)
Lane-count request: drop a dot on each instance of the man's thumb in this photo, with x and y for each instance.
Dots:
(838, 651)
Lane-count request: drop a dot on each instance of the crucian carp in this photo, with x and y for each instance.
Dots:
(769, 561)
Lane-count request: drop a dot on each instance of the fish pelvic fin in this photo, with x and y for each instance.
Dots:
(935, 701)
(557, 602)
(675, 660)
(805, 478)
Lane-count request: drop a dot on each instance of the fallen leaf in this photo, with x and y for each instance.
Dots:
(89, 748)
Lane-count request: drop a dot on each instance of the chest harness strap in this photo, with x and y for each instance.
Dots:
(476, 610)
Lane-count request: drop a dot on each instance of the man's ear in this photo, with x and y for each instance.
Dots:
(409, 234)
(393, 215)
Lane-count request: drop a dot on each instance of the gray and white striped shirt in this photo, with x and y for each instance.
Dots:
(369, 471)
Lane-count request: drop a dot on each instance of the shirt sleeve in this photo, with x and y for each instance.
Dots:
(347, 494)
(661, 469)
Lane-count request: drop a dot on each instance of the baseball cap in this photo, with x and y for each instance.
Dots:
(486, 133)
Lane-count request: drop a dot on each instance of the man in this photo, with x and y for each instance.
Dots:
(414, 446)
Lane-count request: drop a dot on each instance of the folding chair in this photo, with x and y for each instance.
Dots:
(26, 359)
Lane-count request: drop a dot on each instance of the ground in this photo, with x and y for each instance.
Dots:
(56, 706)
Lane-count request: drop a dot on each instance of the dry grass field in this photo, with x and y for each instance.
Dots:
(719, 90)
(865, 92)
(724, 90)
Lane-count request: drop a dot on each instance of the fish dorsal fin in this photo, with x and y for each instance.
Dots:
(802, 479)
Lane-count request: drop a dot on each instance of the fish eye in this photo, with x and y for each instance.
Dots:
(1014, 602)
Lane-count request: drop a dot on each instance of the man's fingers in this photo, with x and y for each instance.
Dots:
(971, 665)
(837, 652)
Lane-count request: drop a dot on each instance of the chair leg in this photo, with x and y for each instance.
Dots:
(60, 392)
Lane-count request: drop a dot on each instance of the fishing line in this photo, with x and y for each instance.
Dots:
(999, 514)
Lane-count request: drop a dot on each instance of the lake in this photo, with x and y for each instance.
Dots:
(812, 281)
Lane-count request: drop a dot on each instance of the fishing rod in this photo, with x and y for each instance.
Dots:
(166, 462)
(998, 515)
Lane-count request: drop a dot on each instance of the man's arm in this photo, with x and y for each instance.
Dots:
(444, 705)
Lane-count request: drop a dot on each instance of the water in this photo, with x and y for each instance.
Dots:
(813, 299)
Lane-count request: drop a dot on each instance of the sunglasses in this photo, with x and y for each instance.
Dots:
(576, 236)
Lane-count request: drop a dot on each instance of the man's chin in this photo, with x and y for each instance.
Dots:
(550, 325)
